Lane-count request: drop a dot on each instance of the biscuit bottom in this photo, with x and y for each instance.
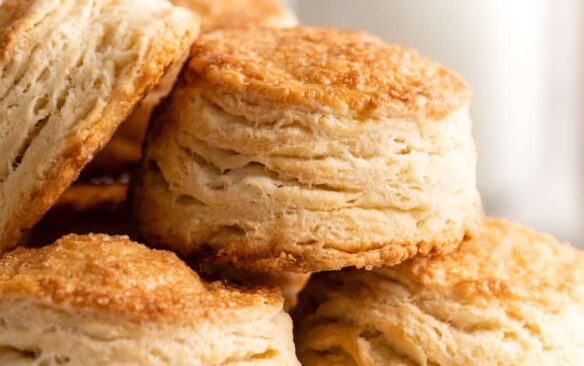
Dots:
(304, 192)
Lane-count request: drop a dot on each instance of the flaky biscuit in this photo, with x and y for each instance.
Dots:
(71, 71)
(510, 296)
(309, 149)
(123, 152)
(102, 300)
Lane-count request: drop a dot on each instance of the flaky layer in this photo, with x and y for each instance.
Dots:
(34, 334)
(304, 192)
(509, 296)
(71, 72)
(123, 152)
(104, 300)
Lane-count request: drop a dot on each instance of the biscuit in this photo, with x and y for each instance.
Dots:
(290, 283)
(71, 72)
(124, 151)
(510, 296)
(85, 208)
(104, 300)
(309, 149)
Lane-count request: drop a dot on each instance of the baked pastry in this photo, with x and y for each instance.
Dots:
(101, 300)
(240, 13)
(309, 149)
(290, 283)
(71, 72)
(124, 151)
(85, 208)
(510, 296)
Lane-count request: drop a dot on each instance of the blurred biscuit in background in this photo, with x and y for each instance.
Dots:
(240, 13)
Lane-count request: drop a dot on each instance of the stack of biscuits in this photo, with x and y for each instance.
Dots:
(307, 196)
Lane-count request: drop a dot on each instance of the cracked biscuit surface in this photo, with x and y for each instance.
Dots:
(509, 296)
(70, 72)
(309, 149)
(104, 300)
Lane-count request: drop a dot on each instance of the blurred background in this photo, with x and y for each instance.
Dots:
(524, 60)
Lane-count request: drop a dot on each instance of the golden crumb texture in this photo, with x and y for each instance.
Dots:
(509, 296)
(266, 156)
(99, 299)
(70, 72)
(350, 73)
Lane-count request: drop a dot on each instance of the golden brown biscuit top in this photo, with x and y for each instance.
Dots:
(348, 73)
(217, 14)
(112, 275)
(503, 260)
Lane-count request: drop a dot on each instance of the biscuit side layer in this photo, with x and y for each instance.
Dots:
(36, 334)
(71, 72)
(249, 188)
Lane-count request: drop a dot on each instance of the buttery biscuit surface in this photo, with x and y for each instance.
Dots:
(70, 72)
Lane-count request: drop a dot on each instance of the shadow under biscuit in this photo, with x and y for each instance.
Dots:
(85, 208)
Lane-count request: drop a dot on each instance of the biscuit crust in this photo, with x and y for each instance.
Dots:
(72, 71)
(347, 73)
(104, 300)
(508, 289)
(112, 275)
